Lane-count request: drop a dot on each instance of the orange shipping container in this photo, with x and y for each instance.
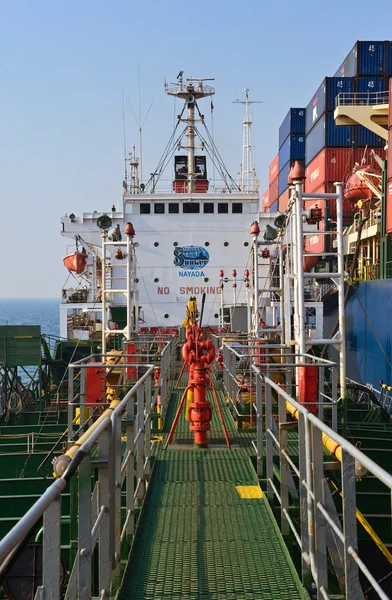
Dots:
(389, 206)
(274, 169)
(390, 152)
(273, 192)
(283, 201)
(390, 112)
(265, 201)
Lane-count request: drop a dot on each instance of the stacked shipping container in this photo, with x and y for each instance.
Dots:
(291, 145)
(331, 151)
(388, 199)
(270, 197)
(367, 58)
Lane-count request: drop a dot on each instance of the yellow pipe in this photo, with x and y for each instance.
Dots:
(336, 451)
(328, 442)
(64, 460)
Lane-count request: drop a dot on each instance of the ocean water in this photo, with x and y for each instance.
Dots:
(32, 311)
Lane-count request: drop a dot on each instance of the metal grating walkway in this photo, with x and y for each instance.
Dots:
(201, 538)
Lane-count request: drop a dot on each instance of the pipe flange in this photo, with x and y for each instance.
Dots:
(61, 464)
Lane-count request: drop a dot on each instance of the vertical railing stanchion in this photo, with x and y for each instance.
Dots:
(116, 421)
(147, 435)
(353, 588)
(259, 424)
(130, 477)
(104, 500)
(269, 443)
(140, 442)
(52, 550)
(85, 525)
(305, 558)
(320, 546)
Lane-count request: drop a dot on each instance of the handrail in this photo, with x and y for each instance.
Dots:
(100, 519)
(362, 98)
(303, 472)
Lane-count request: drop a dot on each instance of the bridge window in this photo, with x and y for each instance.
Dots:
(191, 207)
(174, 208)
(208, 207)
(145, 209)
(159, 208)
(237, 208)
(223, 208)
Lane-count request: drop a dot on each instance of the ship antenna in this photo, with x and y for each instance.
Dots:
(248, 180)
(140, 124)
(125, 142)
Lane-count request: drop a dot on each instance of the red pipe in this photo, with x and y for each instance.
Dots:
(218, 406)
(173, 427)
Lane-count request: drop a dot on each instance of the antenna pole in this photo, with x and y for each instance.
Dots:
(140, 126)
(125, 141)
(248, 180)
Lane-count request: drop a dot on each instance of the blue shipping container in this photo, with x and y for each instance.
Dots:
(325, 98)
(364, 137)
(372, 84)
(326, 134)
(388, 59)
(294, 122)
(365, 58)
(283, 176)
(370, 58)
(274, 207)
(293, 148)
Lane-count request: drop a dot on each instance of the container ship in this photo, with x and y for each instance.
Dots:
(342, 135)
(197, 432)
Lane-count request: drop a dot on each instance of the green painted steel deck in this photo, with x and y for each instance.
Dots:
(198, 539)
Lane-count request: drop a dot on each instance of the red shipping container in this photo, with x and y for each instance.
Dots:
(273, 192)
(335, 164)
(283, 201)
(274, 169)
(388, 211)
(390, 152)
(265, 201)
(390, 112)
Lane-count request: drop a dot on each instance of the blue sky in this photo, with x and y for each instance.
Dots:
(62, 72)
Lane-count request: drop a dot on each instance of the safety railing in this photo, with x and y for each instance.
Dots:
(305, 489)
(26, 442)
(275, 360)
(362, 98)
(388, 269)
(107, 470)
(129, 366)
(215, 186)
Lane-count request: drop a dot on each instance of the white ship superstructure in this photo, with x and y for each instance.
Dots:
(188, 230)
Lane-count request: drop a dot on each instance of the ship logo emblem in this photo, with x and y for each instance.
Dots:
(191, 258)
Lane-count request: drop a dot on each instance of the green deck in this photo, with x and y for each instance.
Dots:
(198, 538)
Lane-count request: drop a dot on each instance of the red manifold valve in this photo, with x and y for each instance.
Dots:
(199, 354)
